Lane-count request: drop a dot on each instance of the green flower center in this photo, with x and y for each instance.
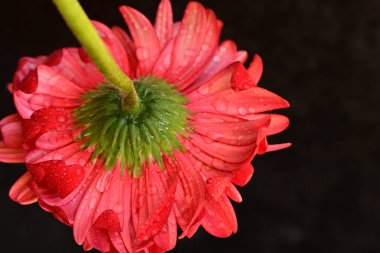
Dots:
(132, 137)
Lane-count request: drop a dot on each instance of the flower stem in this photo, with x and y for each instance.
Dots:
(79, 23)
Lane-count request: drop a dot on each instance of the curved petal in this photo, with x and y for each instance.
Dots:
(144, 37)
(255, 69)
(22, 191)
(164, 22)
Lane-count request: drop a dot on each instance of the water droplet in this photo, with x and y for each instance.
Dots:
(242, 111)
(205, 47)
(251, 109)
(153, 190)
(198, 165)
(61, 118)
(223, 49)
(142, 53)
(211, 213)
(82, 162)
(204, 90)
(217, 58)
(103, 182)
(221, 104)
(78, 171)
(92, 203)
(118, 208)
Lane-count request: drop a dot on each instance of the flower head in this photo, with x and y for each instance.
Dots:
(126, 179)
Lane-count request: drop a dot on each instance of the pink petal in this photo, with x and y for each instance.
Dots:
(11, 155)
(57, 177)
(194, 46)
(163, 61)
(220, 219)
(129, 48)
(21, 191)
(164, 22)
(144, 37)
(166, 239)
(275, 147)
(238, 103)
(159, 197)
(223, 56)
(52, 83)
(242, 176)
(67, 63)
(232, 133)
(220, 82)
(241, 80)
(190, 193)
(11, 131)
(208, 159)
(114, 46)
(25, 67)
(255, 69)
(225, 152)
(54, 139)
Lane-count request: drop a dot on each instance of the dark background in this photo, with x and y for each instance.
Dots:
(321, 195)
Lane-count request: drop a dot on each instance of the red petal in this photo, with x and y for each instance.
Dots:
(225, 152)
(241, 80)
(108, 220)
(223, 56)
(129, 48)
(275, 147)
(190, 193)
(11, 155)
(255, 69)
(144, 37)
(164, 22)
(57, 177)
(45, 120)
(194, 45)
(114, 46)
(239, 103)
(159, 208)
(67, 62)
(242, 176)
(220, 82)
(220, 219)
(232, 133)
(21, 191)
(11, 131)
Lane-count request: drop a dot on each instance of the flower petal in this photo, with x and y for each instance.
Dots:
(21, 190)
(194, 45)
(164, 22)
(255, 69)
(237, 103)
(220, 219)
(114, 46)
(11, 131)
(144, 37)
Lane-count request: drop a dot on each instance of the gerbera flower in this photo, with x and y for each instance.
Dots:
(126, 165)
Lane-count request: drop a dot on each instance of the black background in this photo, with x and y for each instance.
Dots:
(321, 195)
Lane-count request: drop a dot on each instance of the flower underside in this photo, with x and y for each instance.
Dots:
(133, 138)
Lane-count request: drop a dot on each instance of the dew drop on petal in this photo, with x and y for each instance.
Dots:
(204, 90)
(153, 190)
(142, 53)
(92, 203)
(61, 119)
(221, 104)
(251, 109)
(242, 111)
(217, 58)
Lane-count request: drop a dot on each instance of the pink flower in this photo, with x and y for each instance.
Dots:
(111, 206)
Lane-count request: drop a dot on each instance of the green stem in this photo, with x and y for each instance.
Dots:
(79, 23)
